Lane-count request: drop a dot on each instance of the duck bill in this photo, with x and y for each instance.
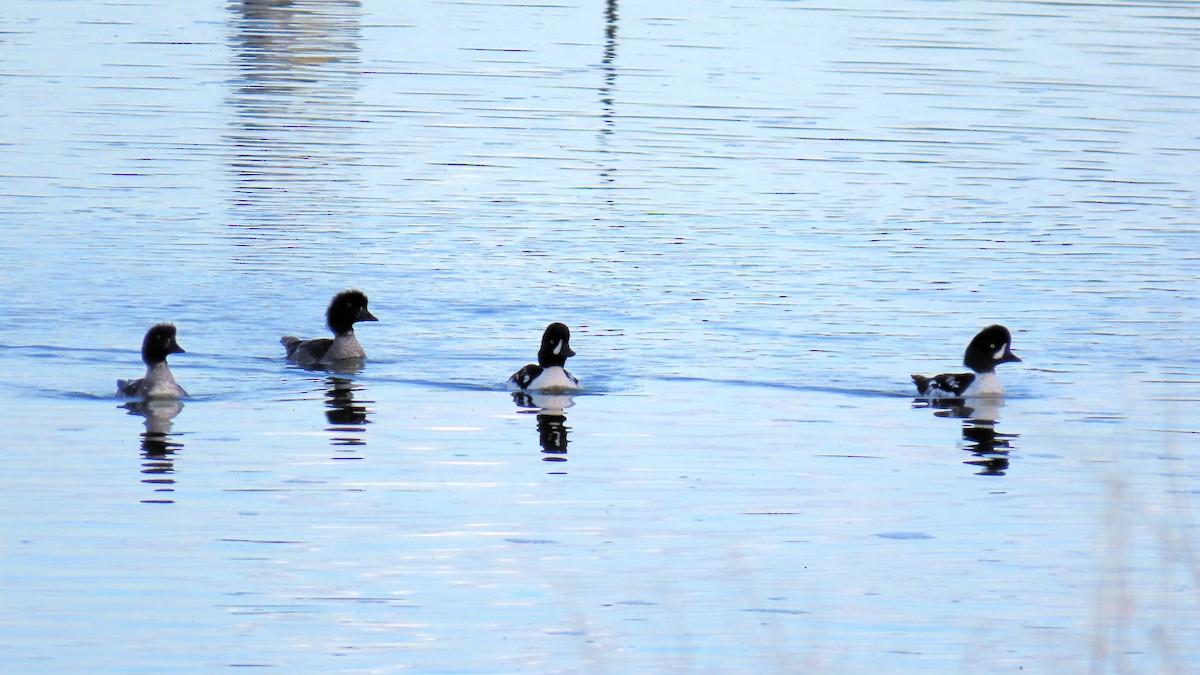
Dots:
(175, 348)
(365, 315)
(1009, 357)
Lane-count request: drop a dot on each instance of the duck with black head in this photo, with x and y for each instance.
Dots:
(346, 309)
(549, 374)
(159, 382)
(991, 347)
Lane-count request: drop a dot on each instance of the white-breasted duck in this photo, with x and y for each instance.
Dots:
(549, 373)
(991, 347)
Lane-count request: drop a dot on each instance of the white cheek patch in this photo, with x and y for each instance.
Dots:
(558, 348)
(1000, 352)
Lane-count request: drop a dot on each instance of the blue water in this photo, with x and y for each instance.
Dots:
(757, 220)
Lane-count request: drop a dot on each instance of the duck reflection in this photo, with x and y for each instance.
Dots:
(551, 421)
(348, 417)
(989, 448)
(158, 445)
(343, 368)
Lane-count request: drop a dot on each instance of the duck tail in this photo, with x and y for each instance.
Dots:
(289, 342)
(922, 383)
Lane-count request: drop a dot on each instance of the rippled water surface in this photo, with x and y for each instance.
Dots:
(757, 220)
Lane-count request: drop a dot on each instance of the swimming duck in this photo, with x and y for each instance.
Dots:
(346, 309)
(158, 382)
(549, 373)
(991, 347)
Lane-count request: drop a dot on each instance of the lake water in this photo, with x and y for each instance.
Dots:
(757, 218)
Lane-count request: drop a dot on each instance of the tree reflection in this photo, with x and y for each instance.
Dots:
(294, 105)
(608, 64)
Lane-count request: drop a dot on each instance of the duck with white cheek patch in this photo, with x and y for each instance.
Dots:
(991, 347)
(549, 374)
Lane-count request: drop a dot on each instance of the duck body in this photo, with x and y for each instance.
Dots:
(959, 385)
(322, 351)
(536, 378)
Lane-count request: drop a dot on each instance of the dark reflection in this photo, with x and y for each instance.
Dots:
(294, 103)
(343, 367)
(348, 417)
(608, 64)
(551, 421)
(989, 448)
(158, 446)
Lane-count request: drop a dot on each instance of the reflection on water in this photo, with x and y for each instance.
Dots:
(158, 448)
(608, 66)
(293, 102)
(552, 435)
(551, 421)
(607, 107)
(342, 367)
(989, 448)
(347, 415)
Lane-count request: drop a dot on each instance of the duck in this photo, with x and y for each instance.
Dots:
(988, 349)
(158, 383)
(549, 374)
(346, 309)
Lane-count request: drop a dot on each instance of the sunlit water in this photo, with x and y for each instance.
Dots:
(757, 219)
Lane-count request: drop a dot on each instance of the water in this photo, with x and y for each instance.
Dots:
(757, 220)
